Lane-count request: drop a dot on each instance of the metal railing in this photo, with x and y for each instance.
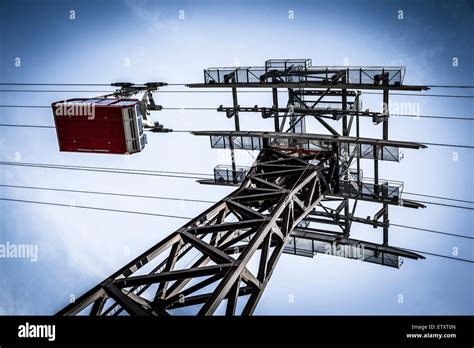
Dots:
(366, 187)
(301, 70)
(226, 174)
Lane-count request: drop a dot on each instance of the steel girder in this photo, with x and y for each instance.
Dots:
(248, 228)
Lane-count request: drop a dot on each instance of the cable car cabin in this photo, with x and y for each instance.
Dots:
(99, 125)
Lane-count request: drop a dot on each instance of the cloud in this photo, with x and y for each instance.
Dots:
(153, 14)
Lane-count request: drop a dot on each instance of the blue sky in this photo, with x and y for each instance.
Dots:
(78, 248)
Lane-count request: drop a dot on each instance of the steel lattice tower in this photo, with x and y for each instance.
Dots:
(299, 187)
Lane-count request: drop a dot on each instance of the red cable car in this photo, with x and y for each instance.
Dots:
(100, 125)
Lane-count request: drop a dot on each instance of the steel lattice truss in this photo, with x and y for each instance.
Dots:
(250, 227)
(299, 197)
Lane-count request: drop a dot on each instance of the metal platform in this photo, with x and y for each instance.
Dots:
(250, 140)
(299, 73)
(309, 244)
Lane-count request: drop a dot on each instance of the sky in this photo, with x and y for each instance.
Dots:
(173, 41)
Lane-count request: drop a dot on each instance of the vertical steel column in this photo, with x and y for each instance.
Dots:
(385, 109)
(357, 135)
(385, 213)
(385, 137)
(237, 128)
(376, 170)
(345, 132)
(232, 157)
(236, 105)
(335, 150)
(275, 105)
